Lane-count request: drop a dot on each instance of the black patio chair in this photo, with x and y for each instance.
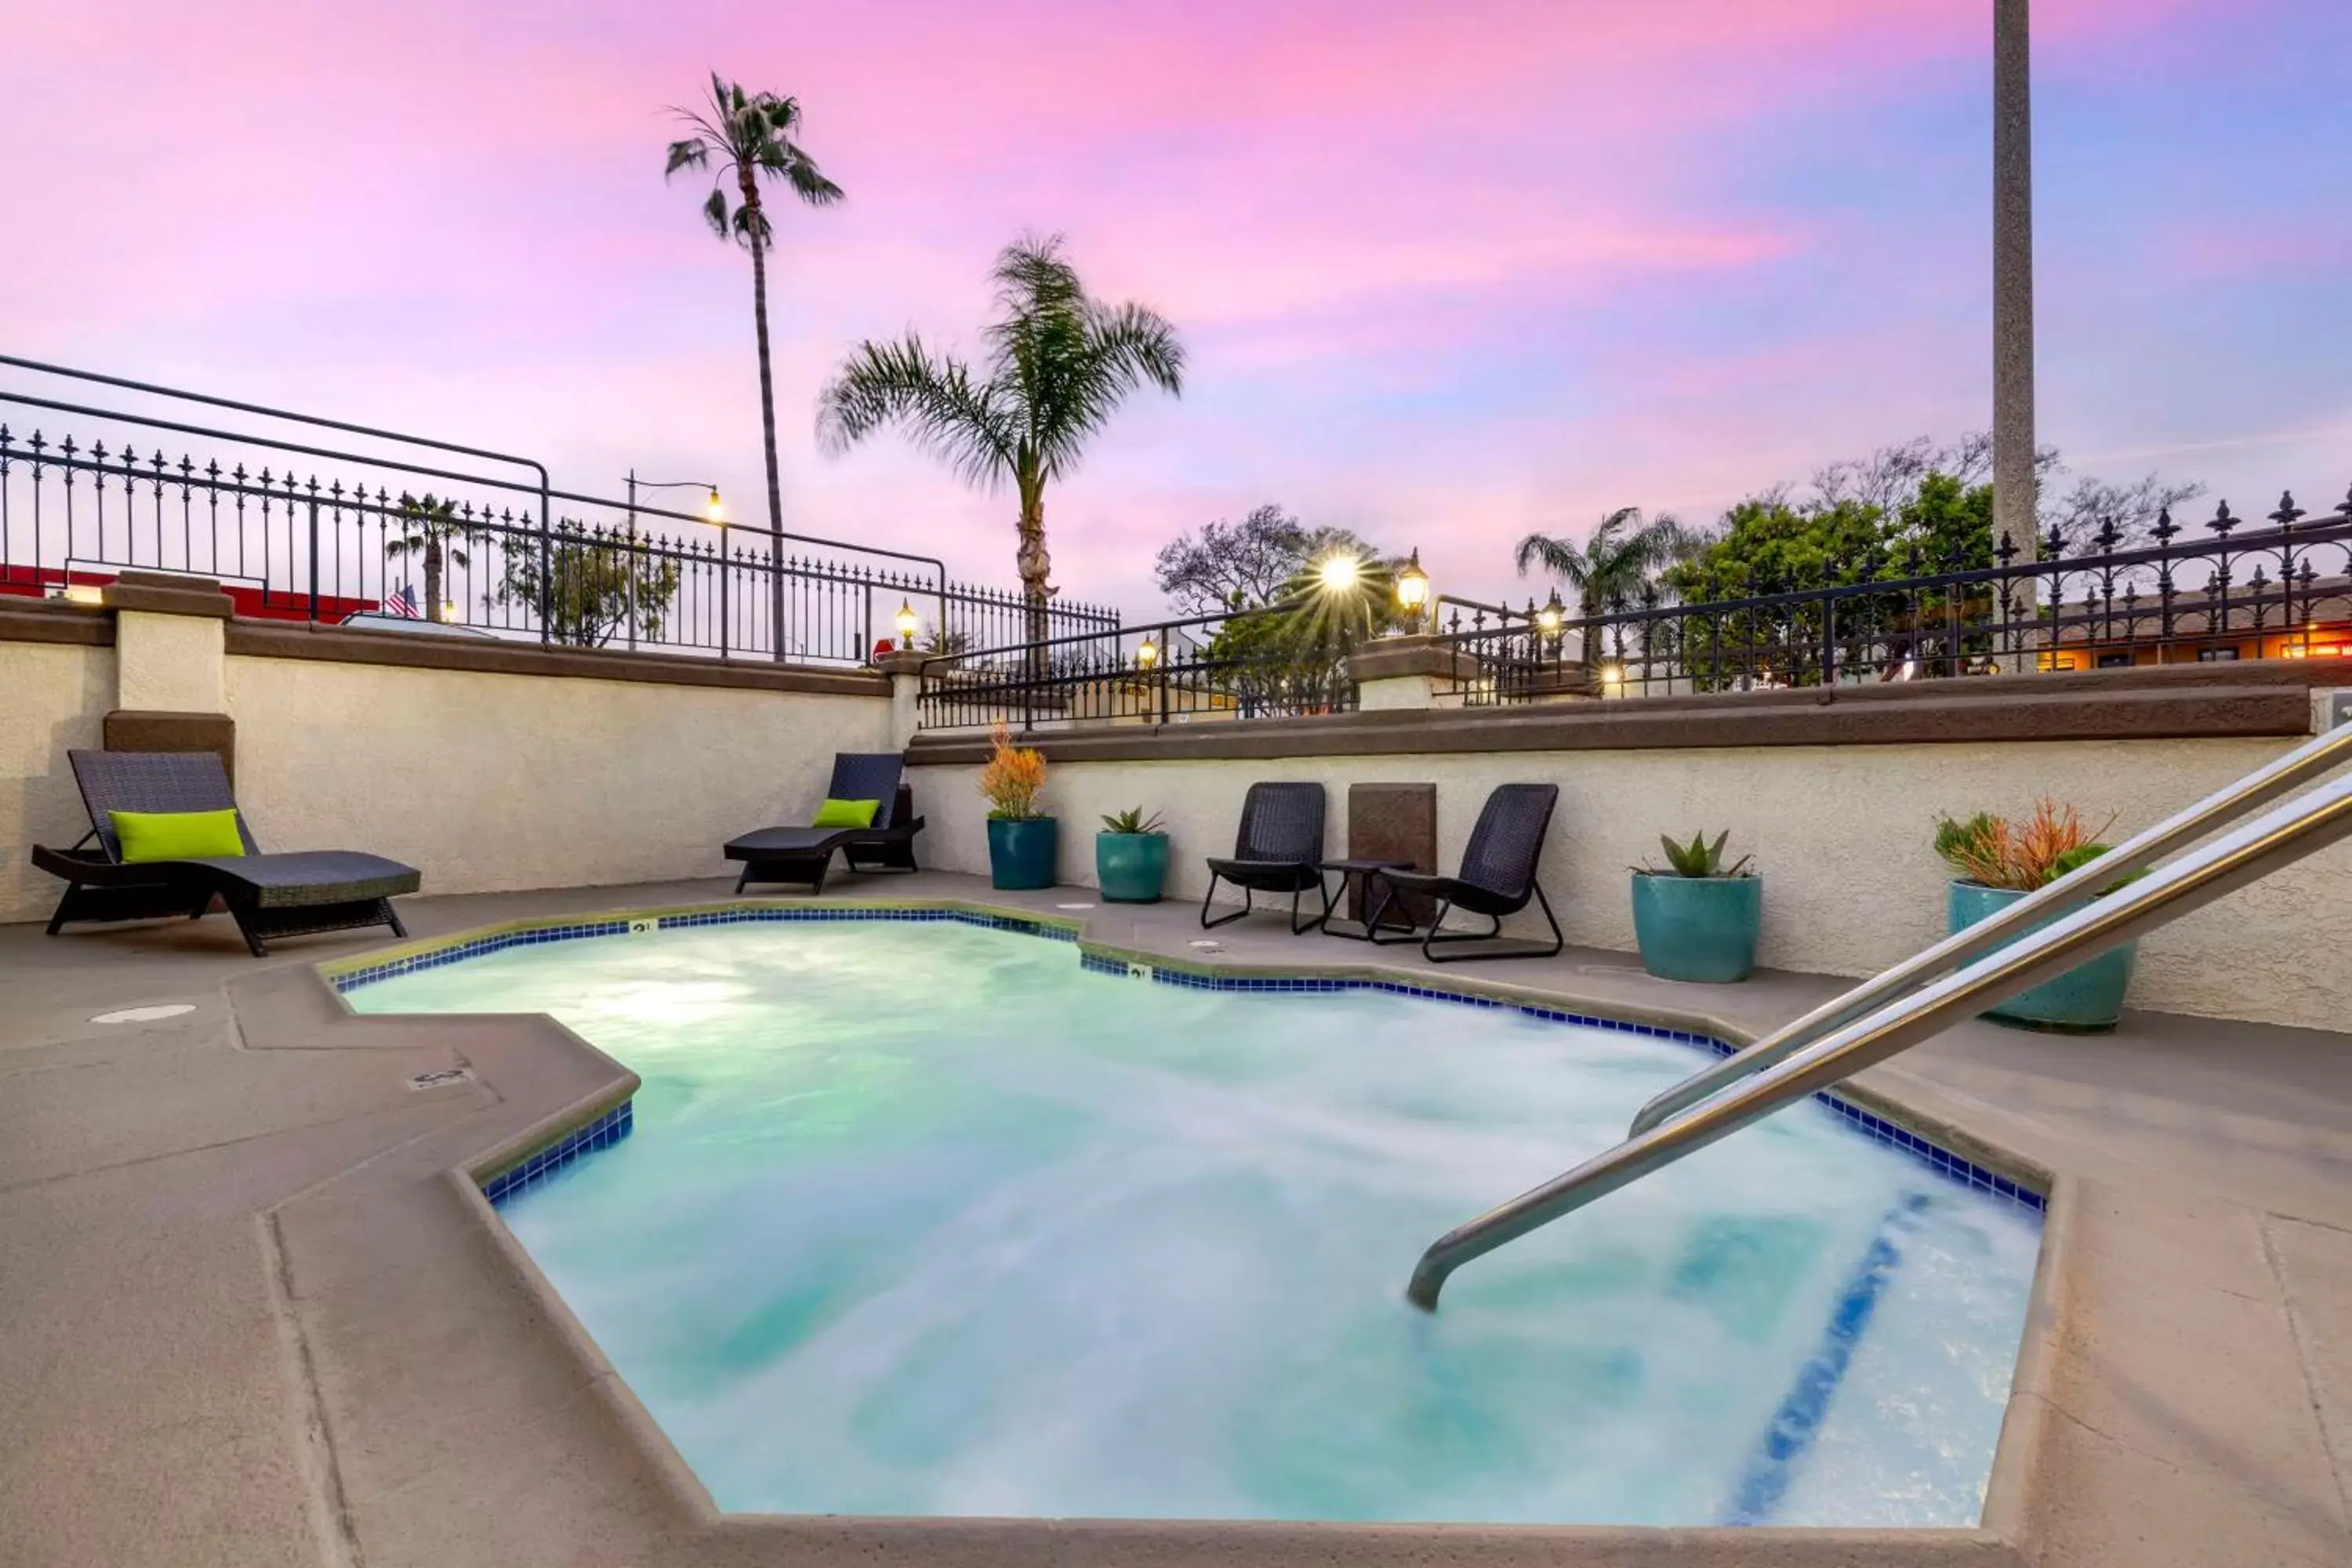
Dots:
(268, 896)
(804, 855)
(1497, 878)
(1280, 849)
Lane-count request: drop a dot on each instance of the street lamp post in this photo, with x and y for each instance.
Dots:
(712, 510)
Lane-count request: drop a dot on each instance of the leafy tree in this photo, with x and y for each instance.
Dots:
(1239, 565)
(591, 587)
(429, 529)
(1059, 363)
(1622, 555)
(748, 136)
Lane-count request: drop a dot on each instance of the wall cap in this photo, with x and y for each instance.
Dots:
(251, 639)
(168, 593)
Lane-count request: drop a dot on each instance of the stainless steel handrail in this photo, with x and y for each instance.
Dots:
(2218, 810)
(2246, 854)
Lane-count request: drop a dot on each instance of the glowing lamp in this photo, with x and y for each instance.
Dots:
(1338, 573)
(712, 510)
(906, 620)
(1613, 674)
(1147, 652)
(1552, 617)
(1412, 585)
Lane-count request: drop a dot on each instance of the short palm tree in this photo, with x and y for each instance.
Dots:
(748, 135)
(1059, 363)
(1622, 556)
(429, 529)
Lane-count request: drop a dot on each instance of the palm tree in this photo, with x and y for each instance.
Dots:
(429, 529)
(1059, 364)
(1622, 557)
(750, 135)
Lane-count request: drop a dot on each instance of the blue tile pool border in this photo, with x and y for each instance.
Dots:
(344, 979)
(564, 1153)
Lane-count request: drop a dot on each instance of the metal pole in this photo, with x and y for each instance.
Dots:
(629, 560)
(2014, 483)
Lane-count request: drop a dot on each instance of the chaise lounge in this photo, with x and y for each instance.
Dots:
(804, 855)
(268, 896)
(1497, 878)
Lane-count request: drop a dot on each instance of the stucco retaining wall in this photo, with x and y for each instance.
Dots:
(1842, 833)
(488, 781)
(52, 699)
(485, 780)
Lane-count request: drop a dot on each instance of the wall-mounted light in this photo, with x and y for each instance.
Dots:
(906, 620)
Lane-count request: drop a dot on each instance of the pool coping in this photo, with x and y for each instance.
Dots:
(1999, 1537)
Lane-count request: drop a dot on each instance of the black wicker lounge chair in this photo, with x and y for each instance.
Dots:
(268, 896)
(1280, 849)
(1497, 878)
(804, 855)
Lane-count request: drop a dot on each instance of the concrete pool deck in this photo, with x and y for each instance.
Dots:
(247, 1316)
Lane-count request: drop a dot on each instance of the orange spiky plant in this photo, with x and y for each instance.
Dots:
(1012, 777)
(2023, 855)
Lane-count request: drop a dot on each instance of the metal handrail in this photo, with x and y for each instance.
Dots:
(2218, 810)
(2246, 854)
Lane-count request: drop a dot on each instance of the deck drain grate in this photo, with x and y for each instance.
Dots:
(440, 1075)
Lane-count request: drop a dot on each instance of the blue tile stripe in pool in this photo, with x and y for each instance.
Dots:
(1765, 1481)
(574, 1146)
(1942, 1161)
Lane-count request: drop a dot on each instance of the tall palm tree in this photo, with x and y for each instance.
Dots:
(430, 530)
(1622, 555)
(1059, 363)
(748, 135)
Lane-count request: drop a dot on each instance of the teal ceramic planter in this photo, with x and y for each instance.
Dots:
(1132, 868)
(1698, 928)
(1021, 851)
(2086, 999)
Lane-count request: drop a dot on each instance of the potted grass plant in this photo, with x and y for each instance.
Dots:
(1131, 857)
(1995, 862)
(1695, 918)
(1022, 839)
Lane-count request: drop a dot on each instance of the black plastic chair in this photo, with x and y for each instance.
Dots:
(1280, 849)
(268, 896)
(804, 855)
(1497, 878)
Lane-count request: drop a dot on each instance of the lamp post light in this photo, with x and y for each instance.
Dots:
(1147, 653)
(1412, 589)
(713, 511)
(908, 623)
(1552, 617)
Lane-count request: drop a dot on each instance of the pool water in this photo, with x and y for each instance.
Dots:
(928, 1219)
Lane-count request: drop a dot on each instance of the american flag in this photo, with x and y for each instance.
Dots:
(401, 601)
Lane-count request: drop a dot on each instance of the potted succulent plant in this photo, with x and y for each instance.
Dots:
(1021, 840)
(1695, 918)
(1131, 857)
(1995, 862)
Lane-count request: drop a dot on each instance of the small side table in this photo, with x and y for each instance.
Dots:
(1368, 869)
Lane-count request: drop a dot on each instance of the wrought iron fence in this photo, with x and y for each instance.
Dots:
(2221, 590)
(401, 543)
(1248, 665)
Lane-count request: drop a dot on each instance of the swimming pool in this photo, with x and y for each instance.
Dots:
(927, 1218)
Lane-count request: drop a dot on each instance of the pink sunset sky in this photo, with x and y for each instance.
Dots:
(1447, 272)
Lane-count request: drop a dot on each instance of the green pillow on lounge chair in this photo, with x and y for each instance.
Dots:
(151, 836)
(846, 813)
